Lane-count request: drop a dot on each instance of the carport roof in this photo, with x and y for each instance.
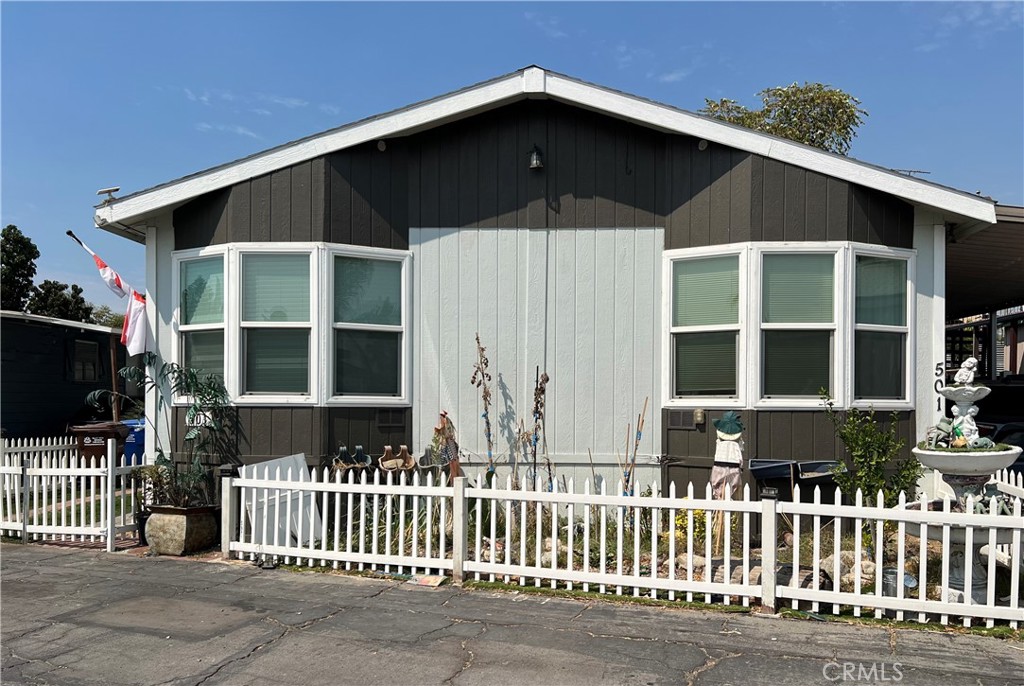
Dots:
(985, 269)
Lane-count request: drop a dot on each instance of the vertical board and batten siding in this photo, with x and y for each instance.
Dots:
(598, 172)
(579, 304)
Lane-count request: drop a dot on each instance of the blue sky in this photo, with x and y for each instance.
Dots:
(134, 94)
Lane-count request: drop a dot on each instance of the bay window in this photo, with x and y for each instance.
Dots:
(769, 325)
(201, 325)
(275, 322)
(880, 328)
(296, 323)
(368, 326)
(705, 326)
(797, 324)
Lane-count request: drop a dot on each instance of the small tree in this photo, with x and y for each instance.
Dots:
(18, 255)
(814, 113)
(105, 316)
(872, 450)
(53, 299)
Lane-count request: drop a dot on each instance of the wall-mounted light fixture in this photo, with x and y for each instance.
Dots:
(536, 160)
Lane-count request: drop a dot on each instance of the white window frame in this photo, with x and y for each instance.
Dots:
(749, 358)
(405, 258)
(321, 354)
(668, 348)
(907, 403)
(756, 381)
(177, 328)
(235, 255)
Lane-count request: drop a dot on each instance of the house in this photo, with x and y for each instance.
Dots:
(49, 366)
(629, 249)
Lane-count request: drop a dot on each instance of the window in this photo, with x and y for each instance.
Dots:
(368, 326)
(797, 324)
(768, 325)
(296, 323)
(880, 328)
(275, 323)
(201, 299)
(705, 326)
(87, 361)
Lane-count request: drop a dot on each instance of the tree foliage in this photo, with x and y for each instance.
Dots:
(105, 316)
(814, 113)
(56, 299)
(18, 255)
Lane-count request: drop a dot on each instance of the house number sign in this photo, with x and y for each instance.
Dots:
(940, 383)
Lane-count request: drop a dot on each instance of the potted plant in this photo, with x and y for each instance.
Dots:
(181, 516)
(177, 511)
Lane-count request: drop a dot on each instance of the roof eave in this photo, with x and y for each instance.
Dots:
(534, 82)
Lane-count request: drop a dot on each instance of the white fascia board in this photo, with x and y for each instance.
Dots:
(429, 114)
(67, 323)
(676, 121)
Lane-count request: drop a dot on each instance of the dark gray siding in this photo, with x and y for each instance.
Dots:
(769, 434)
(40, 395)
(598, 172)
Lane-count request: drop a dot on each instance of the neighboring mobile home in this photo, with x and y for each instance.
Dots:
(49, 367)
(625, 247)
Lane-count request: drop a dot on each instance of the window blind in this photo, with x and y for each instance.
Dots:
(797, 289)
(705, 363)
(881, 287)
(367, 362)
(879, 371)
(204, 352)
(276, 361)
(202, 291)
(797, 363)
(705, 291)
(367, 291)
(275, 288)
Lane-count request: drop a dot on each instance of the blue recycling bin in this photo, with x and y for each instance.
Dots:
(135, 441)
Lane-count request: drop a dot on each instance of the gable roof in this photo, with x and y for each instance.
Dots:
(534, 83)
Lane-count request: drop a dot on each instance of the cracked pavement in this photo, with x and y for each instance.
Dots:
(71, 616)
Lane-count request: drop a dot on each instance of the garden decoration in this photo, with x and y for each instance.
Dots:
(345, 460)
(540, 389)
(725, 474)
(966, 462)
(402, 462)
(630, 467)
(445, 445)
(481, 379)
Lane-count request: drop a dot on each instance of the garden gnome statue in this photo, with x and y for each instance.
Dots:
(728, 463)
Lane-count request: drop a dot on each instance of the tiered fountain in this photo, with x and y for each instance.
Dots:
(966, 462)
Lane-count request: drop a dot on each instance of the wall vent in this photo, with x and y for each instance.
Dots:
(681, 420)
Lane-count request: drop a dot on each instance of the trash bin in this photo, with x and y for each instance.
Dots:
(92, 438)
(135, 441)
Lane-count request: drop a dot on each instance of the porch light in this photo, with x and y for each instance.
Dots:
(536, 161)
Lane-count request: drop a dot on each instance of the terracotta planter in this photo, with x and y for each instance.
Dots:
(181, 530)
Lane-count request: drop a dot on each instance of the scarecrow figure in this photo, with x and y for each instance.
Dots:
(446, 446)
(728, 465)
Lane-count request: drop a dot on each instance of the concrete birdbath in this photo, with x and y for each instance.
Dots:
(966, 462)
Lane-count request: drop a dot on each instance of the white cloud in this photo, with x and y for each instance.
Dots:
(547, 23)
(674, 76)
(283, 101)
(330, 109)
(236, 129)
(262, 112)
(976, 21)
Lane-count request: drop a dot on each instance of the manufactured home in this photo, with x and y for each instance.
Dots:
(628, 249)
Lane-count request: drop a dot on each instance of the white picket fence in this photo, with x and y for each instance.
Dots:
(658, 545)
(52, 493)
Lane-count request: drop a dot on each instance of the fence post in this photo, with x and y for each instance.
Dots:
(769, 545)
(25, 461)
(460, 530)
(111, 522)
(228, 511)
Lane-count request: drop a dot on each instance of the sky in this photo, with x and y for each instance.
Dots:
(94, 95)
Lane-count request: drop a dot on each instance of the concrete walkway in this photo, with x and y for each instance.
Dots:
(84, 617)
